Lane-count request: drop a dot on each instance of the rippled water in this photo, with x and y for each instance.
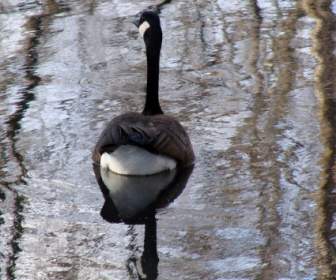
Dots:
(254, 83)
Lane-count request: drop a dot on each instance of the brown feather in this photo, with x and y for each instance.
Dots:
(159, 134)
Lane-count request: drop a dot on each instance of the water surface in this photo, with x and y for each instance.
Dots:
(253, 82)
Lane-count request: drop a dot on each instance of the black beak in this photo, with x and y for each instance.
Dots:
(136, 20)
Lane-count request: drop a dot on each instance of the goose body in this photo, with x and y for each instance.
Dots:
(150, 142)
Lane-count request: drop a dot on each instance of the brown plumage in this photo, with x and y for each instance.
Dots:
(159, 134)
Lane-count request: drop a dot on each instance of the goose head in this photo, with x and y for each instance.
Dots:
(148, 23)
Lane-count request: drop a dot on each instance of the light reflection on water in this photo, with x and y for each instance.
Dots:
(253, 83)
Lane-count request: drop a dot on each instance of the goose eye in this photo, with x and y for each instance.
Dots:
(143, 28)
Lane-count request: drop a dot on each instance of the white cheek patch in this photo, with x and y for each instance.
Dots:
(143, 27)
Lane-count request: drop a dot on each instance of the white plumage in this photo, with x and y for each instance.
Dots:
(133, 160)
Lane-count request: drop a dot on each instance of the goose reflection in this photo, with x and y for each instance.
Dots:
(134, 200)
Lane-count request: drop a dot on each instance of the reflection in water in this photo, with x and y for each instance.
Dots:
(13, 126)
(324, 49)
(35, 27)
(134, 200)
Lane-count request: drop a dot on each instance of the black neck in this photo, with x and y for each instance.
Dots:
(152, 105)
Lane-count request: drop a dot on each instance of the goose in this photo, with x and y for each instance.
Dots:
(150, 142)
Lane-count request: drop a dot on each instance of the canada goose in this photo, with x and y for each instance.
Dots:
(150, 142)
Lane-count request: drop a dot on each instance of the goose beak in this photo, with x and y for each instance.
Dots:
(136, 20)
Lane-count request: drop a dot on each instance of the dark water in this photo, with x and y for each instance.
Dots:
(254, 83)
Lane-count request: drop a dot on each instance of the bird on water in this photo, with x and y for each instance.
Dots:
(150, 142)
